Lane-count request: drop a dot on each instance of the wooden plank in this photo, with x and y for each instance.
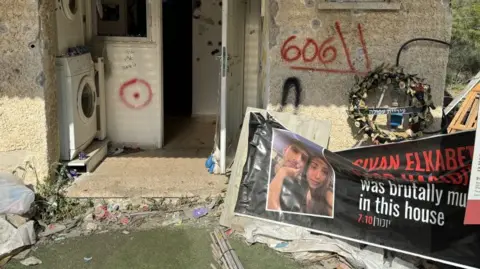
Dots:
(466, 117)
(313, 129)
(460, 116)
(472, 116)
(473, 84)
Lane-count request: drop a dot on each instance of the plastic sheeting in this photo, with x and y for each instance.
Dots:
(15, 197)
(301, 243)
(12, 238)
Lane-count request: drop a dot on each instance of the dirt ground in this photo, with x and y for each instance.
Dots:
(168, 247)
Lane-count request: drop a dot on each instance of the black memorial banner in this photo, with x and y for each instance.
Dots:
(409, 196)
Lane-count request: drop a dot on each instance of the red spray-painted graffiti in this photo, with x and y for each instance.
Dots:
(325, 53)
(136, 97)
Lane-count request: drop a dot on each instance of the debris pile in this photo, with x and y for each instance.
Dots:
(223, 252)
(29, 218)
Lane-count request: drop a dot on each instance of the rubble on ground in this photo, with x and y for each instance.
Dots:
(52, 217)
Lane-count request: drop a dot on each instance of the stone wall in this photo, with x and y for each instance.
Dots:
(351, 39)
(28, 116)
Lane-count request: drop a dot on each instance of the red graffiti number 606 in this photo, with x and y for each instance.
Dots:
(325, 53)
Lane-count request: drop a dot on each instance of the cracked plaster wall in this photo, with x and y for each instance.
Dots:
(325, 94)
(28, 116)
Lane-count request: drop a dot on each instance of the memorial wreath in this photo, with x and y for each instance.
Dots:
(386, 78)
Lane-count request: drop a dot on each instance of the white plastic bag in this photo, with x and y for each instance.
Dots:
(15, 197)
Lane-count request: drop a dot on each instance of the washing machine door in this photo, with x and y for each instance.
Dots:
(87, 99)
(70, 8)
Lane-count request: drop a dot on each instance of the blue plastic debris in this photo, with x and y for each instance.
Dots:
(396, 120)
(211, 168)
(82, 156)
(200, 212)
(209, 161)
(281, 245)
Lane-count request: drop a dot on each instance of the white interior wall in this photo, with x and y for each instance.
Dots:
(70, 33)
(207, 37)
(136, 120)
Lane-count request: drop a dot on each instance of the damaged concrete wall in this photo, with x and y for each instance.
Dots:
(351, 39)
(28, 115)
(207, 45)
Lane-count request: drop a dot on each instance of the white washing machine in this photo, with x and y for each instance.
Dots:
(70, 26)
(77, 99)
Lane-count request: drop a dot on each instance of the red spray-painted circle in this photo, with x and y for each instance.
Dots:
(136, 95)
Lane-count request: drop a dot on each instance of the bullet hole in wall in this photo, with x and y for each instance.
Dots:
(309, 3)
(197, 4)
(198, 59)
(31, 45)
(220, 22)
(215, 51)
(210, 43)
(316, 23)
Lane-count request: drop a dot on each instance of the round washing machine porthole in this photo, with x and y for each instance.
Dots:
(70, 8)
(86, 100)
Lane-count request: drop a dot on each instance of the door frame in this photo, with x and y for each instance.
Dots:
(223, 89)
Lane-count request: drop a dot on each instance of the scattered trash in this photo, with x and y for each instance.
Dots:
(125, 232)
(308, 247)
(31, 261)
(229, 232)
(214, 203)
(22, 255)
(223, 252)
(281, 245)
(125, 220)
(59, 239)
(101, 212)
(88, 217)
(15, 197)
(343, 266)
(175, 220)
(82, 156)
(73, 173)
(52, 229)
(113, 208)
(115, 151)
(91, 226)
(149, 213)
(200, 212)
(13, 239)
(16, 220)
(87, 259)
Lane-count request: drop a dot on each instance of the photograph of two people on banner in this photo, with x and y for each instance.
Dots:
(301, 180)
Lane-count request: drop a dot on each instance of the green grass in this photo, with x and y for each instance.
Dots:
(168, 248)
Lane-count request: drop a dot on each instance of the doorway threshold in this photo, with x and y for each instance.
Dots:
(151, 174)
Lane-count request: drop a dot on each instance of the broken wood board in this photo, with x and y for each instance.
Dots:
(473, 82)
(315, 130)
(466, 117)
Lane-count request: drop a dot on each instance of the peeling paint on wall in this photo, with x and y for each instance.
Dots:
(40, 79)
(274, 29)
(3, 28)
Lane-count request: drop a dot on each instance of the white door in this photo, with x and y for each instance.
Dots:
(231, 93)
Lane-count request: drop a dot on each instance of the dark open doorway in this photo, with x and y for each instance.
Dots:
(177, 67)
(177, 57)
